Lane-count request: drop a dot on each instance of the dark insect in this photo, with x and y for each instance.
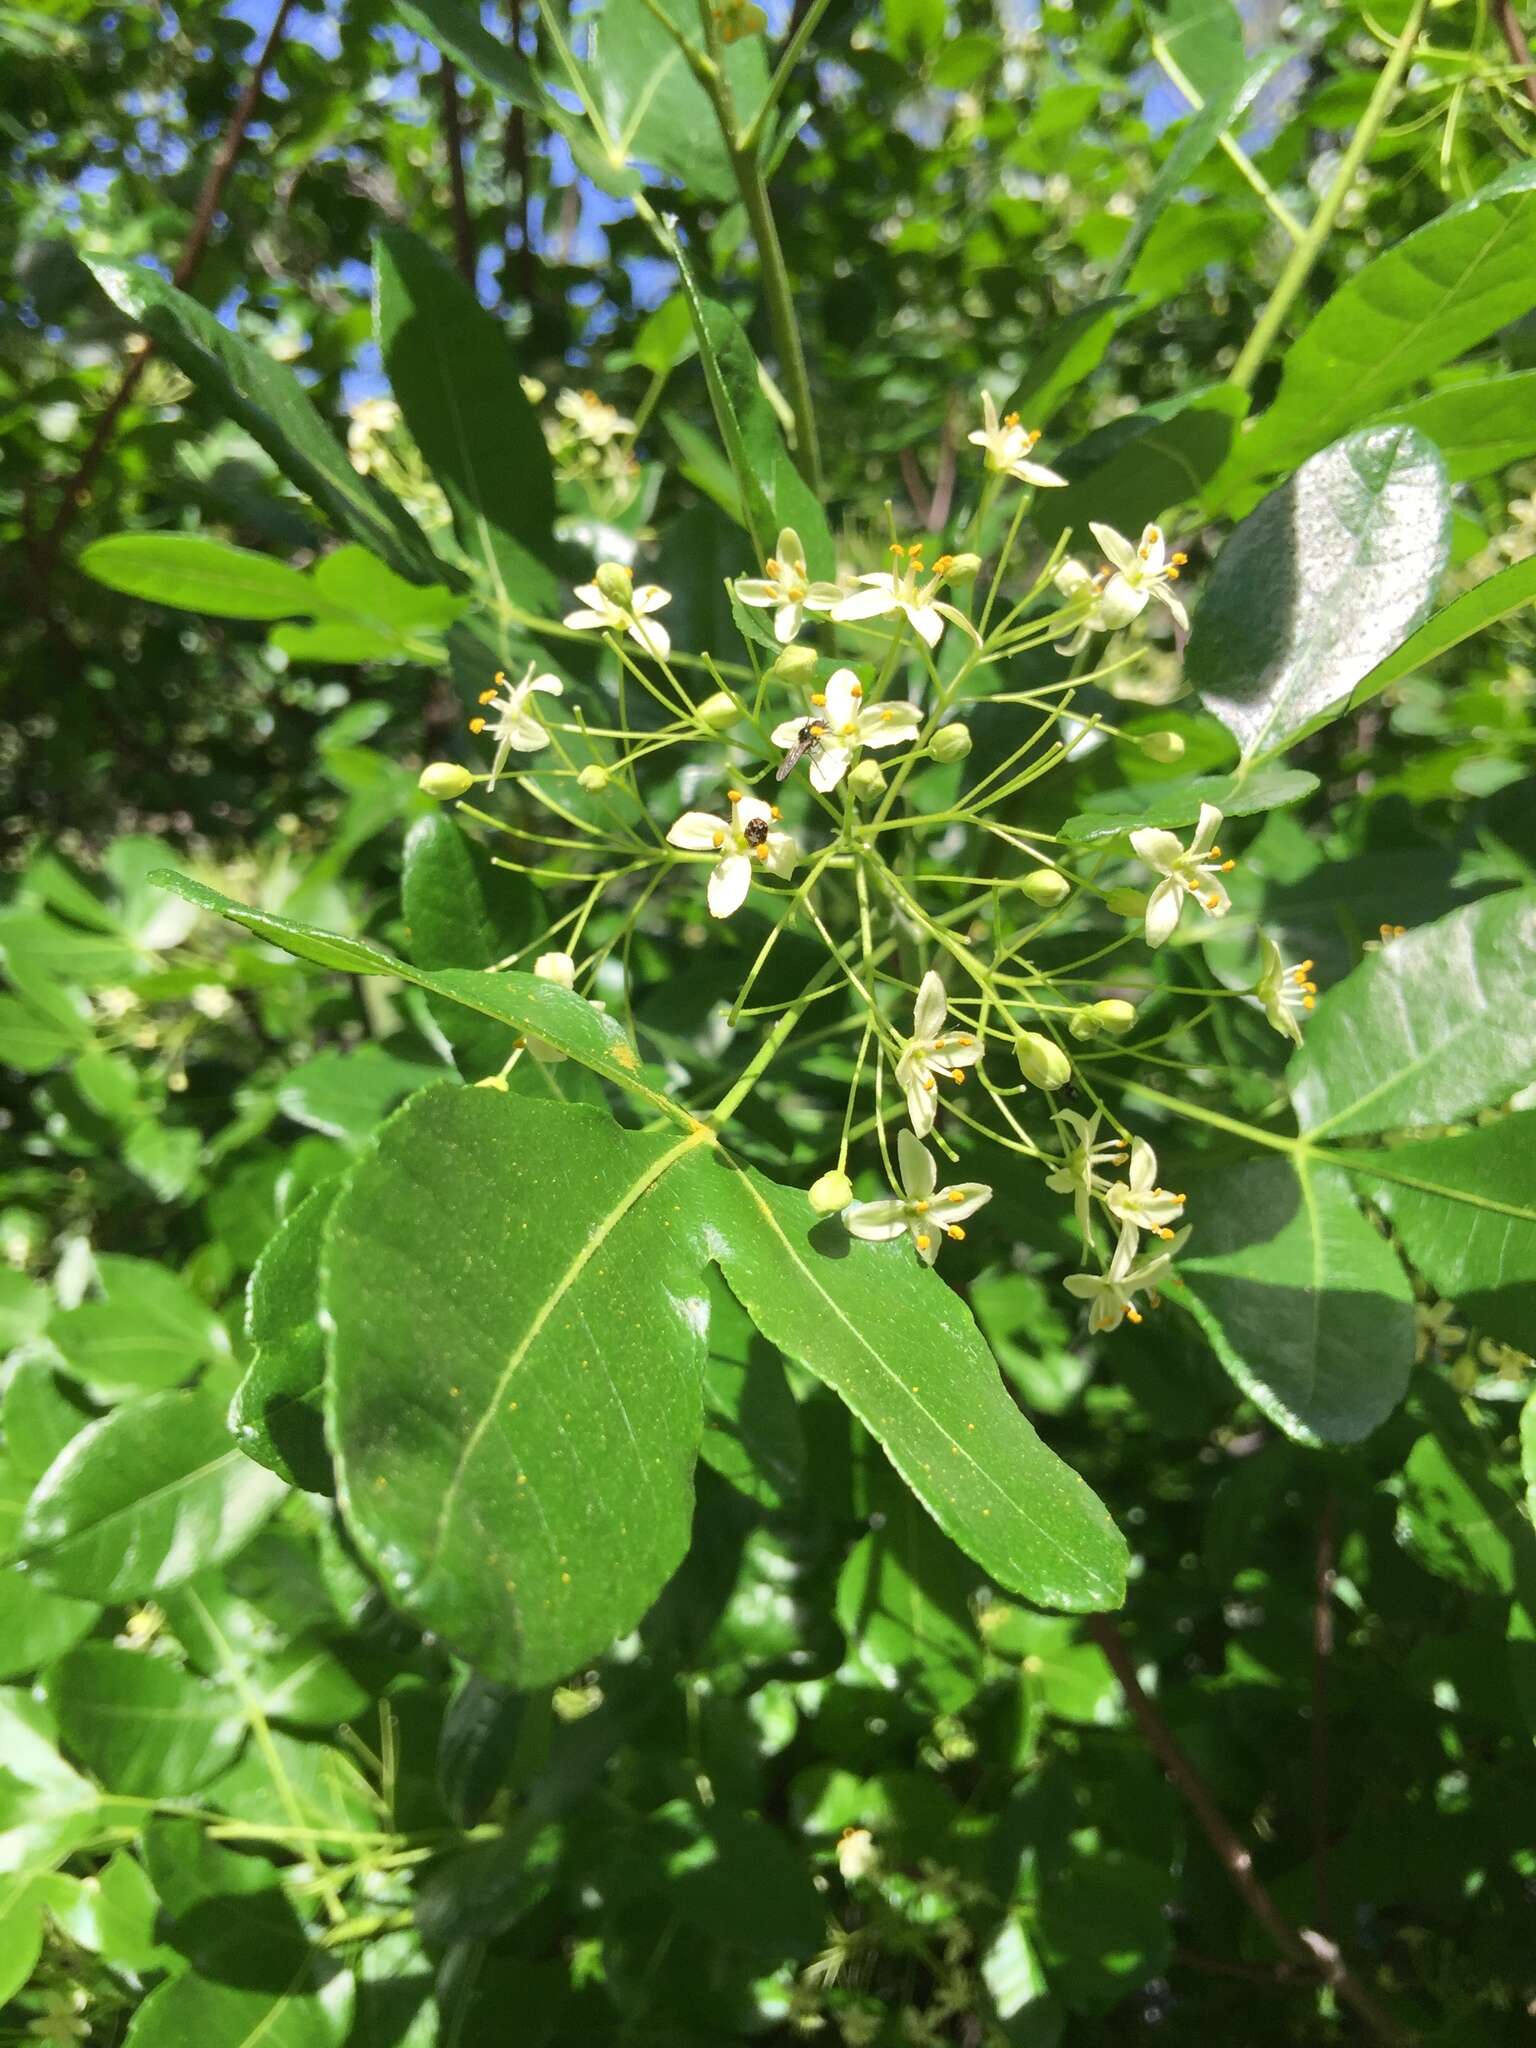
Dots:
(807, 741)
(756, 831)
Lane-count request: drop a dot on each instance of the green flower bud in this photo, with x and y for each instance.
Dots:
(1163, 746)
(1046, 887)
(1115, 1015)
(444, 780)
(718, 712)
(615, 582)
(1042, 1061)
(831, 1194)
(1127, 902)
(867, 781)
(795, 665)
(963, 569)
(951, 743)
(594, 779)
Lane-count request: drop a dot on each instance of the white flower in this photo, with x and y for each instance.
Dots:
(748, 838)
(211, 1000)
(604, 614)
(926, 1213)
(904, 591)
(1195, 871)
(785, 588)
(1284, 990)
(1137, 1203)
(594, 420)
(845, 724)
(1079, 1174)
(517, 727)
(857, 1856)
(1111, 1295)
(930, 1052)
(1140, 572)
(1008, 447)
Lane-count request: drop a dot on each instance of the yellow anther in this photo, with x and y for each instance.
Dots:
(774, 811)
(919, 1208)
(733, 796)
(943, 565)
(929, 1083)
(963, 1038)
(477, 725)
(1177, 561)
(772, 567)
(1213, 903)
(486, 697)
(1227, 866)
(1010, 419)
(897, 548)
(855, 689)
(886, 715)
(761, 852)
(719, 839)
(1215, 853)
(955, 1195)
(914, 553)
(818, 696)
(957, 1074)
(1162, 1230)
(1133, 1315)
(923, 1240)
(955, 1231)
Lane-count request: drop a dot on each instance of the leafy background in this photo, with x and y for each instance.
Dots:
(240, 1672)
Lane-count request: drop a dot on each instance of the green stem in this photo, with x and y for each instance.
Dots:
(1307, 251)
(1239, 158)
(751, 135)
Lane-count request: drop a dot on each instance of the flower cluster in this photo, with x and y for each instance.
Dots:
(1029, 989)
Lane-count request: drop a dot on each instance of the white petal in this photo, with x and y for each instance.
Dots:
(750, 810)
(876, 1222)
(919, 1175)
(973, 1195)
(590, 594)
(927, 621)
(588, 622)
(753, 591)
(559, 968)
(1163, 907)
(864, 604)
(1115, 547)
(652, 636)
(929, 1009)
(1153, 550)
(790, 550)
(1173, 604)
(550, 685)
(650, 597)
(786, 732)
(821, 597)
(1205, 831)
(842, 694)
(729, 881)
(927, 1239)
(1042, 478)
(786, 623)
(954, 1054)
(526, 735)
(1159, 849)
(922, 1104)
(697, 832)
(781, 852)
(829, 765)
(889, 725)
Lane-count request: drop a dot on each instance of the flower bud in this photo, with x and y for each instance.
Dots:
(1115, 1015)
(594, 779)
(831, 1194)
(1042, 1061)
(963, 569)
(718, 712)
(795, 665)
(867, 781)
(1047, 887)
(444, 780)
(1127, 902)
(1163, 746)
(615, 582)
(951, 743)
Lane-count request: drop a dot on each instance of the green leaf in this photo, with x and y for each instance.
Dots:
(1070, 1678)
(347, 1094)
(903, 1601)
(141, 1500)
(276, 1412)
(514, 1448)
(523, 1003)
(1318, 585)
(1437, 1024)
(456, 28)
(113, 1912)
(37, 1626)
(1422, 302)
(461, 912)
(142, 1725)
(752, 1434)
(266, 398)
(1072, 351)
(41, 1411)
(286, 1674)
(656, 110)
(1464, 1209)
(453, 371)
(148, 1330)
(1171, 804)
(481, 1732)
(1459, 1510)
(46, 1808)
(902, 1350)
(196, 574)
(33, 1042)
(1495, 598)
(738, 1881)
(1142, 465)
(259, 1982)
(1479, 426)
(1304, 1303)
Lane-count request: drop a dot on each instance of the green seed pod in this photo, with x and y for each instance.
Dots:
(444, 780)
(1163, 746)
(831, 1194)
(594, 779)
(718, 712)
(951, 743)
(1046, 887)
(795, 665)
(1041, 1061)
(867, 781)
(615, 582)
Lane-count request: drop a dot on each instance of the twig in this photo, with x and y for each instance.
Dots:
(944, 479)
(1322, 1651)
(1301, 1945)
(77, 489)
(453, 140)
(515, 174)
(1519, 47)
(917, 487)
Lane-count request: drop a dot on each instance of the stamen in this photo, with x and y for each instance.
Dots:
(818, 696)
(855, 689)
(957, 1075)
(733, 796)
(477, 725)
(897, 548)
(929, 1083)
(719, 841)
(1133, 1315)
(774, 811)
(923, 1240)
(1010, 419)
(773, 569)
(486, 697)
(919, 1208)
(955, 1195)
(943, 565)
(955, 1231)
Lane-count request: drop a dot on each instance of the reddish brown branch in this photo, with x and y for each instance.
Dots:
(1301, 1945)
(515, 175)
(458, 190)
(1519, 47)
(77, 489)
(1322, 1652)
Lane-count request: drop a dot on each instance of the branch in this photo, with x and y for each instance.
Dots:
(77, 489)
(1322, 1651)
(1300, 1945)
(1519, 48)
(453, 139)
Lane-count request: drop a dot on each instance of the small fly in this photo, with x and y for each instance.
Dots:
(807, 742)
(756, 833)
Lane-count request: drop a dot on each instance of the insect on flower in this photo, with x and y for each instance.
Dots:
(806, 741)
